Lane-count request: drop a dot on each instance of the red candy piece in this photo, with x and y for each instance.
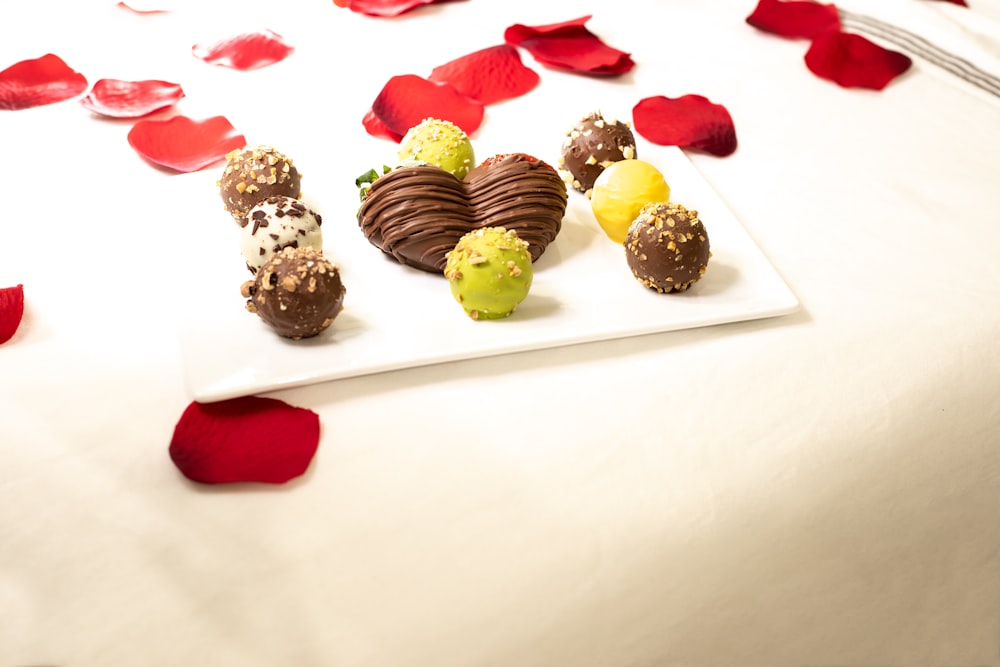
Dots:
(488, 76)
(689, 121)
(33, 83)
(384, 7)
(247, 439)
(407, 99)
(853, 61)
(183, 144)
(131, 99)
(794, 18)
(11, 311)
(571, 46)
(248, 51)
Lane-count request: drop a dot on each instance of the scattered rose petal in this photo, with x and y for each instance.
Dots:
(183, 144)
(689, 121)
(131, 99)
(384, 7)
(251, 50)
(958, 2)
(489, 76)
(794, 18)
(33, 83)
(853, 61)
(407, 99)
(246, 439)
(377, 128)
(570, 45)
(11, 311)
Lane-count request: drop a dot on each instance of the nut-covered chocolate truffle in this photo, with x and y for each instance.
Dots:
(490, 272)
(279, 222)
(298, 292)
(667, 247)
(252, 175)
(590, 147)
(438, 142)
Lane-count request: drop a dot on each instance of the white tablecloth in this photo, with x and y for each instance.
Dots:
(814, 489)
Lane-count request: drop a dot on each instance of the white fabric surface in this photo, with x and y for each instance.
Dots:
(816, 489)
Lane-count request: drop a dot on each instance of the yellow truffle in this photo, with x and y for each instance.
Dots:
(621, 191)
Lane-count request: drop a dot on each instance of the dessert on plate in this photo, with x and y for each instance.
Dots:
(621, 191)
(438, 142)
(490, 272)
(253, 174)
(298, 292)
(667, 247)
(591, 146)
(416, 213)
(275, 223)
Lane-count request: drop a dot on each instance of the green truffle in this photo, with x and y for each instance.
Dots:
(440, 143)
(490, 272)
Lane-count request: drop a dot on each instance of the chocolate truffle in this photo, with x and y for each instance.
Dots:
(298, 292)
(621, 191)
(254, 174)
(279, 222)
(490, 272)
(438, 142)
(667, 247)
(591, 146)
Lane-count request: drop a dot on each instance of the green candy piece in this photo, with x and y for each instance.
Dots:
(490, 272)
(440, 143)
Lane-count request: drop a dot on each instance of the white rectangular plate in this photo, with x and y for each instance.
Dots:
(395, 317)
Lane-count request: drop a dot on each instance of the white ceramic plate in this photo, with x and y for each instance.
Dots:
(396, 317)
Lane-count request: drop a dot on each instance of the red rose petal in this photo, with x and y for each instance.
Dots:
(794, 18)
(11, 311)
(183, 144)
(247, 439)
(570, 45)
(689, 121)
(33, 83)
(853, 61)
(384, 7)
(375, 127)
(251, 50)
(407, 99)
(958, 2)
(490, 75)
(131, 99)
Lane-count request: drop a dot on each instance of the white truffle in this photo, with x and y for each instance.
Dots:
(279, 222)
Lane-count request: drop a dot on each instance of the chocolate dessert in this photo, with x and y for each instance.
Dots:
(279, 222)
(591, 146)
(298, 292)
(667, 247)
(417, 214)
(252, 175)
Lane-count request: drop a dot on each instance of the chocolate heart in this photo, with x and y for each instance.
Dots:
(417, 214)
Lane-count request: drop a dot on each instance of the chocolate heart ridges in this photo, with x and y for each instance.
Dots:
(417, 214)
